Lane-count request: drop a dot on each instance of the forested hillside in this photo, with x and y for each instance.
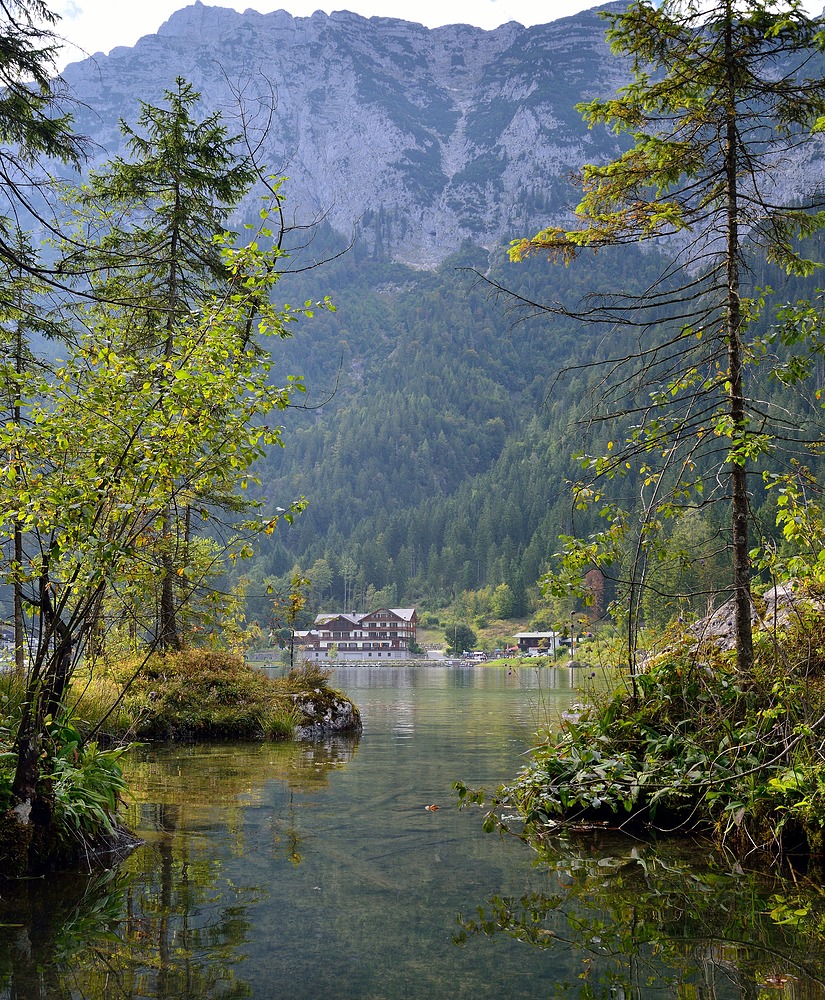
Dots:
(437, 440)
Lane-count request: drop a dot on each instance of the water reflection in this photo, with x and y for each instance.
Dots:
(665, 920)
(173, 921)
(42, 933)
(299, 871)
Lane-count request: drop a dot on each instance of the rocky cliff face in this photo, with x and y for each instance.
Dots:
(423, 138)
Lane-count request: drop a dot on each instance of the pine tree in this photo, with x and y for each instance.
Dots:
(156, 221)
(33, 122)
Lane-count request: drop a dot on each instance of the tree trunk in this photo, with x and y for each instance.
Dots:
(740, 504)
(19, 622)
(24, 786)
(17, 588)
(32, 812)
(58, 670)
(168, 637)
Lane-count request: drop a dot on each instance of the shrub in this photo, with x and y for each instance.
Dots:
(698, 746)
(309, 676)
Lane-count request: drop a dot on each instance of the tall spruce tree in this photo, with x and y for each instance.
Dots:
(722, 94)
(157, 217)
(33, 121)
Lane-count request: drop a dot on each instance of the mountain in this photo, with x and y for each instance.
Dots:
(423, 138)
(435, 445)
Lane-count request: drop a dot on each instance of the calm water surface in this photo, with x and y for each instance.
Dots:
(316, 870)
(339, 878)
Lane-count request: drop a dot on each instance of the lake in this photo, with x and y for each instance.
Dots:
(320, 869)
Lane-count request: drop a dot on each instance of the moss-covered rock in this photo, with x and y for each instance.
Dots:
(325, 713)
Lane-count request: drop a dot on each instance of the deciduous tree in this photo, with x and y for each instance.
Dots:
(460, 638)
(111, 441)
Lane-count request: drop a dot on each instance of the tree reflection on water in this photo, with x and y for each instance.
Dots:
(666, 920)
(182, 917)
(172, 921)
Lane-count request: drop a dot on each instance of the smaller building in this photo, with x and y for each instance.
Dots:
(383, 634)
(538, 643)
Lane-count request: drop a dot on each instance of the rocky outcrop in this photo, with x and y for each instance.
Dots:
(422, 138)
(780, 607)
(326, 713)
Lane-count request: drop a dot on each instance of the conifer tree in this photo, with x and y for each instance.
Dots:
(157, 217)
(33, 120)
(722, 93)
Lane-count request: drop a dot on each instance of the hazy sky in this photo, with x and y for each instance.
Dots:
(100, 25)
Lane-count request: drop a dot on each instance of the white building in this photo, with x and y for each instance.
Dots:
(384, 634)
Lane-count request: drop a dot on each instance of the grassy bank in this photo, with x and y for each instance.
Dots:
(693, 745)
(199, 694)
(194, 694)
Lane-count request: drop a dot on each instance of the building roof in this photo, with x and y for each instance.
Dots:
(356, 617)
(351, 617)
(406, 613)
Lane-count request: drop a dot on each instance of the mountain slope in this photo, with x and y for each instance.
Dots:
(437, 438)
(468, 134)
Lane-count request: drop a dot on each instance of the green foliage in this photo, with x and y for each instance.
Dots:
(33, 119)
(800, 552)
(154, 257)
(198, 694)
(88, 785)
(451, 504)
(685, 572)
(460, 637)
(127, 488)
(467, 504)
(503, 602)
(113, 478)
(86, 781)
(695, 749)
(128, 478)
(193, 694)
(674, 118)
(308, 677)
